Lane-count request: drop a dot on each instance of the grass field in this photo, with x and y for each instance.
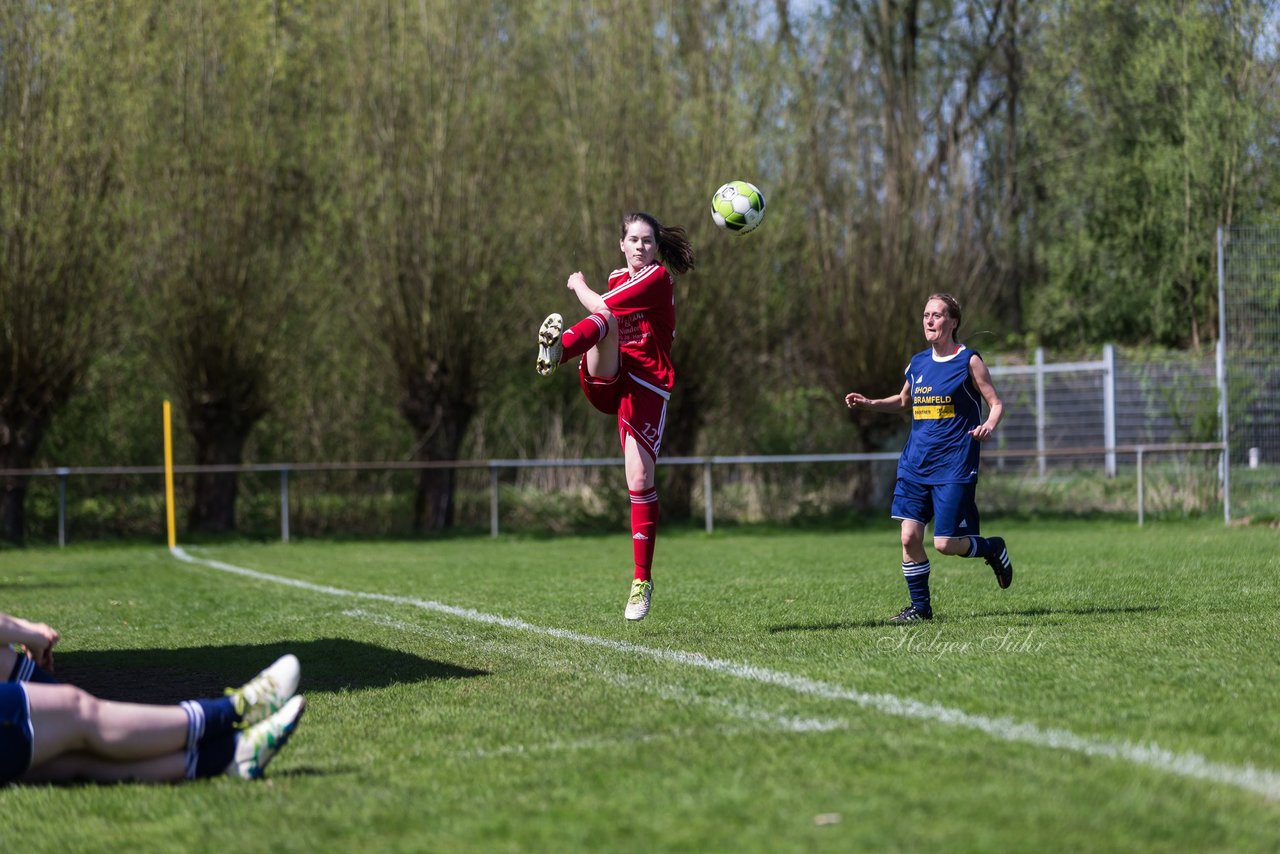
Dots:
(486, 695)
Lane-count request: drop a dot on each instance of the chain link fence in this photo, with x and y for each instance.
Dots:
(1121, 398)
(1249, 327)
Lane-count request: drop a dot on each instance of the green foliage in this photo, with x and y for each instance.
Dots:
(61, 215)
(333, 227)
(1143, 120)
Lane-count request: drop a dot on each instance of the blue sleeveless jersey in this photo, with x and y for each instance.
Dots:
(945, 406)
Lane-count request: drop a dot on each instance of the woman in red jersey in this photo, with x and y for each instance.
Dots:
(626, 369)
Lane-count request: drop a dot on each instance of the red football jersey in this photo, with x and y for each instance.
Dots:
(645, 305)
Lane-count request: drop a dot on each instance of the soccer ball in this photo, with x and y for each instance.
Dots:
(738, 207)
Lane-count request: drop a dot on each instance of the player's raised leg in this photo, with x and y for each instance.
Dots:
(549, 347)
(595, 332)
(595, 338)
(991, 549)
(996, 554)
(955, 530)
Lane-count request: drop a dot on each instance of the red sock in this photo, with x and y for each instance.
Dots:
(583, 335)
(644, 530)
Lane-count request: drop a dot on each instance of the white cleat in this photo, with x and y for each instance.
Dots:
(549, 348)
(638, 601)
(258, 745)
(266, 693)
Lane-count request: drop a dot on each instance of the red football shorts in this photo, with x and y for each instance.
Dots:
(641, 406)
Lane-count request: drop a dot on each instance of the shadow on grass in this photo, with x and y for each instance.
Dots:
(1055, 612)
(37, 584)
(830, 627)
(172, 675)
(1025, 612)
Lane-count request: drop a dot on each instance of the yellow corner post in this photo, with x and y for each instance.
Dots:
(168, 475)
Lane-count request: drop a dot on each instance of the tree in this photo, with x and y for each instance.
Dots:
(61, 217)
(436, 162)
(891, 100)
(230, 199)
(1142, 124)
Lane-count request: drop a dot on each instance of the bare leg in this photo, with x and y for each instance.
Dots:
(75, 767)
(66, 719)
(638, 464)
(952, 545)
(913, 542)
(602, 359)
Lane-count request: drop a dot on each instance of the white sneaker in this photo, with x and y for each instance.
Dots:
(266, 693)
(549, 348)
(258, 745)
(638, 601)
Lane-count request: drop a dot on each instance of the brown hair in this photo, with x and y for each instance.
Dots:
(953, 309)
(673, 243)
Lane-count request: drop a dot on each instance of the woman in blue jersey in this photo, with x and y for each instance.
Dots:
(946, 384)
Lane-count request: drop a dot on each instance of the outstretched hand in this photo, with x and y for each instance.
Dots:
(853, 400)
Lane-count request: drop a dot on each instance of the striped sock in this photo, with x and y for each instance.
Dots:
(917, 575)
(582, 336)
(195, 731)
(209, 722)
(978, 547)
(644, 530)
(26, 670)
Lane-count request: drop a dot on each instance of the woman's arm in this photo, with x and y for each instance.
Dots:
(591, 301)
(38, 638)
(982, 379)
(899, 403)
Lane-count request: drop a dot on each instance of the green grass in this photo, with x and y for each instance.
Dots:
(431, 731)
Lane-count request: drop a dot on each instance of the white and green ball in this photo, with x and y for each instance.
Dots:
(738, 207)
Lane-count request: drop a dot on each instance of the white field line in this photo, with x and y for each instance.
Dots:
(767, 719)
(770, 719)
(1262, 781)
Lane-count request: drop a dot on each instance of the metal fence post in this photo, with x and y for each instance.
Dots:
(706, 493)
(493, 500)
(1141, 497)
(62, 506)
(1109, 406)
(1220, 373)
(1040, 461)
(284, 504)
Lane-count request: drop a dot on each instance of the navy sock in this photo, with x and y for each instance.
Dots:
(26, 670)
(917, 575)
(213, 756)
(211, 735)
(220, 716)
(208, 721)
(978, 547)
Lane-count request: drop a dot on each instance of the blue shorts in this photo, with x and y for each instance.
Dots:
(950, 506)
(16, 734)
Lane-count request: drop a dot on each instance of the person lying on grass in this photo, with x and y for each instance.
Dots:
(56, 733)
